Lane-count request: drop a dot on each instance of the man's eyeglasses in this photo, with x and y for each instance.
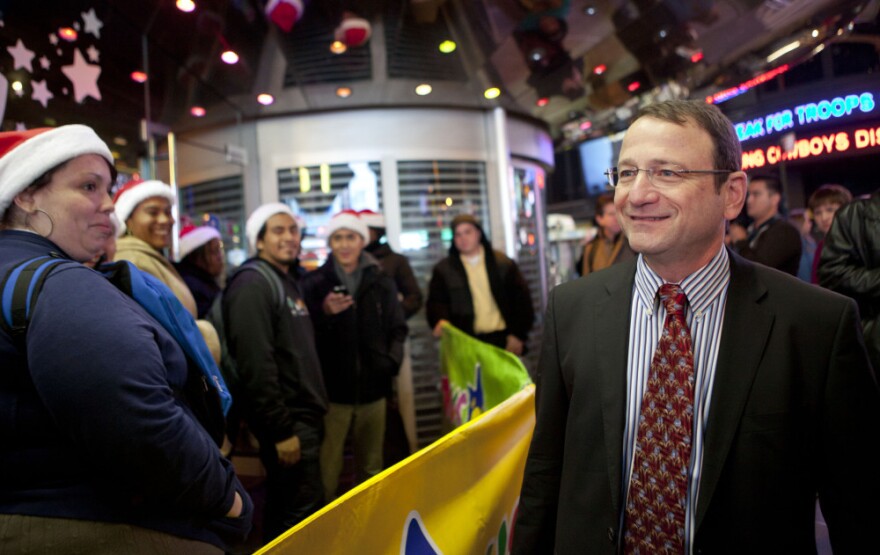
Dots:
(660, 176)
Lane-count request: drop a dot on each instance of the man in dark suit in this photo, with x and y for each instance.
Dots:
(779, 400)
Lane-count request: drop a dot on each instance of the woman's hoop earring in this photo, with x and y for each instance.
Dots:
(51, 222)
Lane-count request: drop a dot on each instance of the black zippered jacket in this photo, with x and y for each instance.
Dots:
(360, 348)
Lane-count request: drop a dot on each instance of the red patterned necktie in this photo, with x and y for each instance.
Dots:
(657, 501)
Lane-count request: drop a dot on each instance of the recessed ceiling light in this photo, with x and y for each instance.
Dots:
(338, 47)
(815, 33)
(634, 86)
(197, 112)
(543, 101)
(492, 92)
(447, 46)
(343, 92)
(229, 56)
(424, 89)
(265, 99)
(600, 69)
(67, 33)
(185, 5)
(590, 10)
(138, 76)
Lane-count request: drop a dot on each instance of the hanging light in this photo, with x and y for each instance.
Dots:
(447, 46)
(68, 34)
(265, 99)
(185, 5)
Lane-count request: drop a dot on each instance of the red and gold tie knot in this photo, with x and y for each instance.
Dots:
(673, 298)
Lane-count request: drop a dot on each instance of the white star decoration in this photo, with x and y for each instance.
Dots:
(92, 23)
(41, 93)
(84, 77)
(45, 63)
(94, 54)
(22, 57)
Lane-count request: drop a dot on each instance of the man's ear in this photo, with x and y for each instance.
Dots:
(734, 192)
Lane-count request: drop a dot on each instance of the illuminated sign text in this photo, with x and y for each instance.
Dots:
(813, 147)
(810, 112)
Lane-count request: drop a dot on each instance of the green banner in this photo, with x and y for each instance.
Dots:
(476, 376)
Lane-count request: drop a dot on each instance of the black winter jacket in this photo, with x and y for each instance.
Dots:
(397, 266)
(275, 356)
(449, 295)
(850, 263)
(361, 348)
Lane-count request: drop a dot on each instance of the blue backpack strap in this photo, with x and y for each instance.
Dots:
(19, 291)
(161, 303)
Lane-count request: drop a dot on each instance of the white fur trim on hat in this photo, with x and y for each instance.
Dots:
(135, 192)
(372, 219)
(25, 156)
(195, 237)
(347, 220)
(258, 217)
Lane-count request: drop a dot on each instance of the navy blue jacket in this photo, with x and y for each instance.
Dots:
(89, 426)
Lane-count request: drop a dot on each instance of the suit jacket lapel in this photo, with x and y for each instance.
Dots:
(744, 335)
(612, 345)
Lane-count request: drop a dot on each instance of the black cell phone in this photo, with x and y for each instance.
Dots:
(340, 289)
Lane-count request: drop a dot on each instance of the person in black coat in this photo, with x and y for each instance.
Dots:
(360, 330)
(201, 264)
(503, 315)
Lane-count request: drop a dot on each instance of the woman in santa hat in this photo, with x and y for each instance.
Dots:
(201, 264)
(99, 455)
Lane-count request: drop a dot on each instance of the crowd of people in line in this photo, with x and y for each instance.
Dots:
(108, 421)
(307, 358)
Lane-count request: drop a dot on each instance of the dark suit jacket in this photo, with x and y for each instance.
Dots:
(795, 411)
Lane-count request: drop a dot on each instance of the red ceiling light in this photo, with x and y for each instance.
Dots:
(197, 112)
(697, 56)
(543, 101)
(634, 86)
(600, 69)
(67, 33)
(138, 76)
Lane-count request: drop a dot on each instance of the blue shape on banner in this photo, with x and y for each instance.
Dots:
(477, 402)
(416, 539)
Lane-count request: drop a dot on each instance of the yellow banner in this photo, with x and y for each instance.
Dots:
(456, 496)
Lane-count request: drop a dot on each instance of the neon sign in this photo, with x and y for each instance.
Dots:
(817, 146)
(727, 94)
(804, 114)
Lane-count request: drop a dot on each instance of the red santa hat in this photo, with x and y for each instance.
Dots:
(135, 192)
(347, 219)
(258, 218)
(192, 237)
(284, 13)
(353, 31)
(26, 155)
(372, 219)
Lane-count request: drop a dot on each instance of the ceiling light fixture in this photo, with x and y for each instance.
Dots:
(197, 112)
(492, 92)
(185, 5)
(590, 10)
(424, 89)
(229, 56)
(265, 99)
(138, 76)
(600, 69)
(17, 86)
(815, 33)
(343, 92)
(338, 47)
(634, 86)
(447, 46)
(783, 51)
(543, 101)
(697, 56)
(68, 34)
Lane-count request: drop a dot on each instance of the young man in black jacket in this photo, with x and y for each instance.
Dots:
(281, 391)
(360, 330)
(480, 290)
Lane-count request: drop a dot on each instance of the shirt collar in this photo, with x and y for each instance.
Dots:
(701, 287)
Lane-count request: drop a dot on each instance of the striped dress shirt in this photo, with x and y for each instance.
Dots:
(706, 292)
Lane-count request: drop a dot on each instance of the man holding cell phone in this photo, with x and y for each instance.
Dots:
(360, 330)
